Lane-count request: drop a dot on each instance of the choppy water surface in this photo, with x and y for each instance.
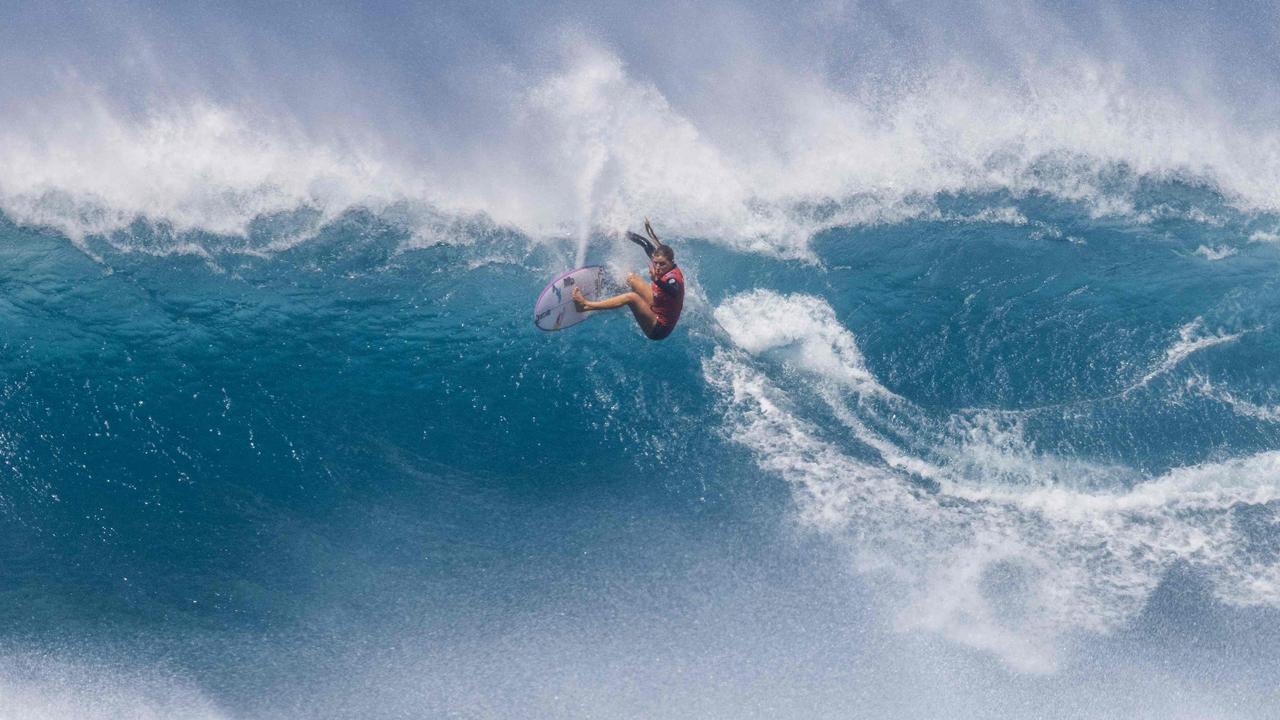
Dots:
(973, 409)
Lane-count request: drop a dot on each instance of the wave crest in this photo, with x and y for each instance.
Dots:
(594, 143)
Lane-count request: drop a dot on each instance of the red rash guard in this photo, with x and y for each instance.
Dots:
(668, 299)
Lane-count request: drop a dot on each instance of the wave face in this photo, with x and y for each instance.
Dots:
(973, 407)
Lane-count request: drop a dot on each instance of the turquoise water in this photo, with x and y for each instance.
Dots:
(281, 477)
(972, 411)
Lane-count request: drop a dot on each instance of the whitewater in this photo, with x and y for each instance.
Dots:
(973, 409)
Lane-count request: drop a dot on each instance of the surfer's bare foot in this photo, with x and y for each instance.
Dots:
(579, 301)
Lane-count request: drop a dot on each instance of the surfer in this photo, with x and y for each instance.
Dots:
(656, 305)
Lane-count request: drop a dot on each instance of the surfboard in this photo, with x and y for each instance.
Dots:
(555, 309)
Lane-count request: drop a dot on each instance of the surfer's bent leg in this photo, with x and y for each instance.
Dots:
(639, 308)
(643, 314)
(640, 287)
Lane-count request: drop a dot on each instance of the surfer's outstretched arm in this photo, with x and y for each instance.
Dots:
(649, 244)
(642, 241)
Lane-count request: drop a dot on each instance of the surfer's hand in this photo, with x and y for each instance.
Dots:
(579, 300)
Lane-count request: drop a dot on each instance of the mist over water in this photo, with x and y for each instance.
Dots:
(972, 410)
(752, 125)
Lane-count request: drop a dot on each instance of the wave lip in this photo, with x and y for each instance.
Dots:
(592, 142)
(194, 167)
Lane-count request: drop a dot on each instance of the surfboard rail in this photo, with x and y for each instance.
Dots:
(554, 309)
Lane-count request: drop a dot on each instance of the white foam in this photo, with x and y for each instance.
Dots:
(1203, 386)
(762, 320)
(193, 166)
(1252, 480)
(833, 484)
(1215, 253)
(1164, 211)
(989, 448)
(1191, 339)
(593, 143)
(824, 157)
(1019, 550)
(1000, 215)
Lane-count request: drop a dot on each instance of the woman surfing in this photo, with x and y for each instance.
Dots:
(655, 305)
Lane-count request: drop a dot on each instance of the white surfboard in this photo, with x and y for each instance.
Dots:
(555, 309)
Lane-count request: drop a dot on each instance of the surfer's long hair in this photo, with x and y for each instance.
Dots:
(660, 248)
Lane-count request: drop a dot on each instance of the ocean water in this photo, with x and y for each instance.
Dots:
(973, 411)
